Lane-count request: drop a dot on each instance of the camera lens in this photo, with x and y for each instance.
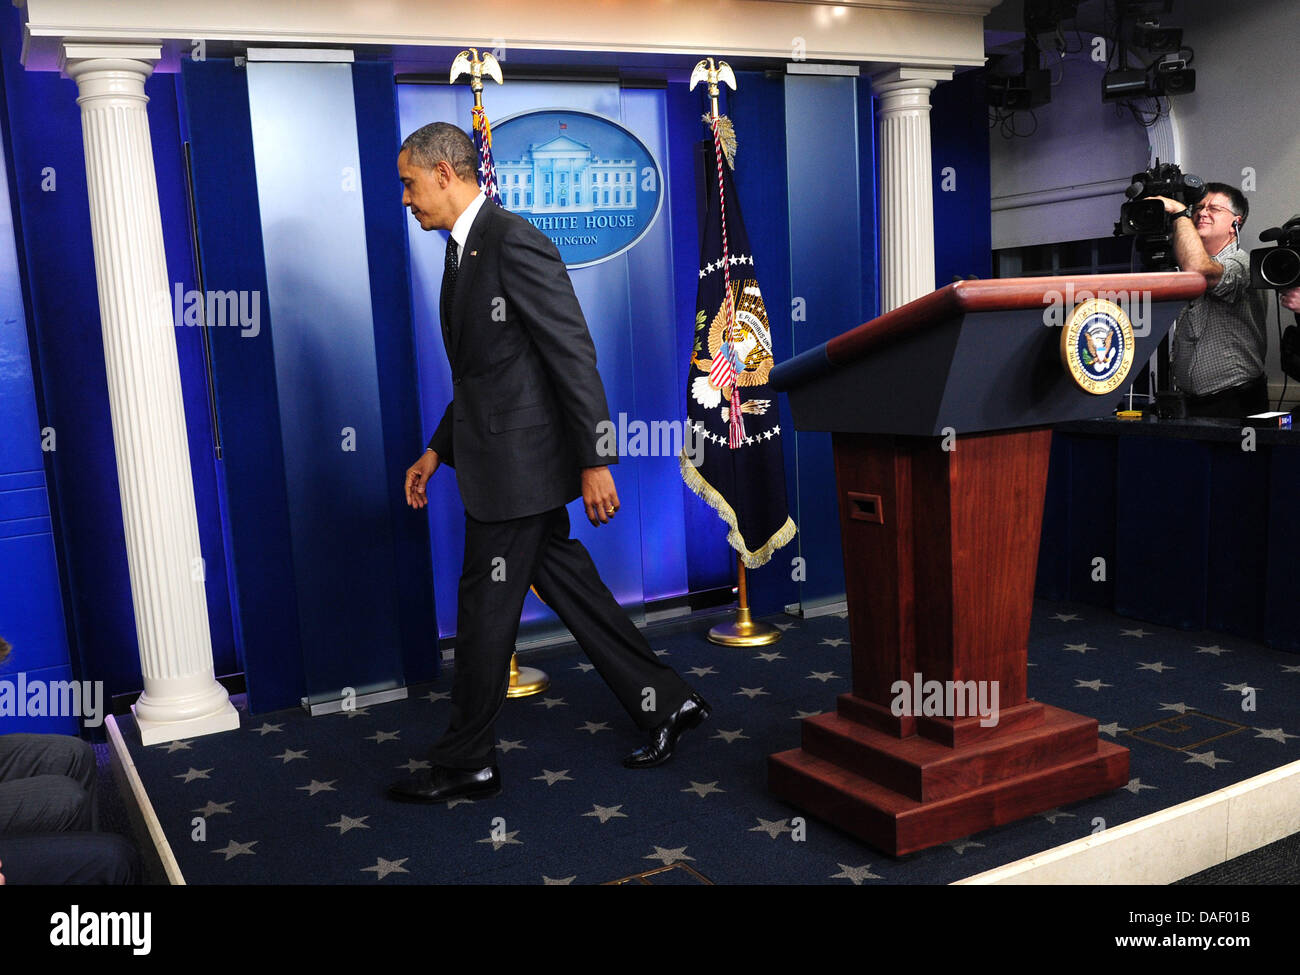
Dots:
(1280, 267)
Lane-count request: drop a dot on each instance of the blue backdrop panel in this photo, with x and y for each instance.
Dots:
(1281, 620)
(318, 292)
(1239, 539)
(959, 151)
(256, 501)
(605, 292)
(821, 118)
(660, 382)
(395, 358)
(1163, 535)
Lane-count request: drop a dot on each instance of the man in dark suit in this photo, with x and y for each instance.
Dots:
(521, 431)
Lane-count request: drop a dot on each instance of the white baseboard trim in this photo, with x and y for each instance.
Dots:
(1170, 844)
(138, 805)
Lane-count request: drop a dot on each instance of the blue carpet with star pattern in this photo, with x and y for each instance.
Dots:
(291, 799)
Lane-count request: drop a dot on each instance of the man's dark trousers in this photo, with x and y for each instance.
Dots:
(502, 558)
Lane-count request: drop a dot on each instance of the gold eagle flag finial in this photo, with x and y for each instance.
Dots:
(706, 71)
(471, 63)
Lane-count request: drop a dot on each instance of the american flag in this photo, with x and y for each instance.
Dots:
(487, 170)
(723, 372)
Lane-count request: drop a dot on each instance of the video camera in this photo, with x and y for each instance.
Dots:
(1147, 220)
(1277, 267)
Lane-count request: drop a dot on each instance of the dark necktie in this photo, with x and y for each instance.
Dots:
(449, 272)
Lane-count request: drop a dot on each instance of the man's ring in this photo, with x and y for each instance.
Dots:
(609, 510)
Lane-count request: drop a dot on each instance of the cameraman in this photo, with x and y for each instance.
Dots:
(1219, 340)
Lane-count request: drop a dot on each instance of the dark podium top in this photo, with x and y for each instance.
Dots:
(972, 356)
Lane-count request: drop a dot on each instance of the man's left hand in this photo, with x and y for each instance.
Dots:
(599, 495)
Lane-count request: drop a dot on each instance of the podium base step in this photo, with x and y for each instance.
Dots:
(897, 824)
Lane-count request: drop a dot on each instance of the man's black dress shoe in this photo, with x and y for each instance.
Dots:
(439, 784)
(664, 738)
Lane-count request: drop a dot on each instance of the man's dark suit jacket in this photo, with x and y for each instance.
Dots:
(526, 396)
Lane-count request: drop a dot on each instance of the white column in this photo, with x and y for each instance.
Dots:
(181, 696)
(906, 204)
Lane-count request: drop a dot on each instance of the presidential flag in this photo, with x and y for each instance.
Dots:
(487, 170)
(737, 466)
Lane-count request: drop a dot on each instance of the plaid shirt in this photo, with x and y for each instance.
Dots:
(1219, 339)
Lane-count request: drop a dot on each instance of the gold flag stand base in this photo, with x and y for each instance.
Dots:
(743, 631)
(526, 681)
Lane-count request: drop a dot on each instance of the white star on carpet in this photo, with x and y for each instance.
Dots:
(584, 667)
(1275, 734)
(701, 671)
(1291, 668)
(314, 787)
(562, 881)
(176, 746)
(834, 642)
(384, 867)
(433, 697)
(351, 713)
(769, 657)
(1111, 729)
(606, 813)
(193, 774)
(668, 857)
(268, 728)
(288, 755)
(346, 823)
(551, 702)
(1159, 667)
(593, 726)
(823, 675)
(751, 692)
(379, 737)
(1136, 785)
(1079, 647)
(233, 849)
(1094, 685)
(785, 626)
(1237, 687)
(1216, 650)
(703, 789)
(772, 827)
(855, 874)
(961, 846)
(1206, 759)
(730, 736)
(415, 764)
(550, 778)
(800, 715)
(498, 843)
(1180, 707)
(215, 808)
(509, 746)
(1065, 617)
(1052, 815)
(1139, 633)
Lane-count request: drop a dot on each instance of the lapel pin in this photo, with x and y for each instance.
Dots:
(473, 253)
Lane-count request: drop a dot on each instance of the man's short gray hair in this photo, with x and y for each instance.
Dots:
(443, 142)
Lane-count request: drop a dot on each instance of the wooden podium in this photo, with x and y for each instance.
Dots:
(939, 413)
